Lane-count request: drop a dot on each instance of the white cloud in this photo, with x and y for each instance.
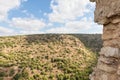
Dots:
(82, 26)
(28, 24)
(59, 30)
(31, 32)
(50, 24)
(5, 31)
(6, 6)
(65, 10)
(71, 14)
(93, 29)
(67, 13)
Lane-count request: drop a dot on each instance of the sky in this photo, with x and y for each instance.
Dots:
(19, 17)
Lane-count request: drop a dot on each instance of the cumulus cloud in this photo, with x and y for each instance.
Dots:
(31, 32)
(5, 31)
(72, 14)
(6, 6)
(60, 30)
(82, 26)
(65, 10)
(28, 24)
(68, 13)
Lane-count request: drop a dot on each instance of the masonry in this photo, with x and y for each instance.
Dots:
(107, 13)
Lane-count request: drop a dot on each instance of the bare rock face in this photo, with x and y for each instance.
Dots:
(105, 9)
(110, 52)
(107, 13)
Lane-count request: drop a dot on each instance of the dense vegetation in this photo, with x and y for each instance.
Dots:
(45, 57)
(91, 41)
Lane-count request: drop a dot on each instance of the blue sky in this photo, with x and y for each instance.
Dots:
(47, 16)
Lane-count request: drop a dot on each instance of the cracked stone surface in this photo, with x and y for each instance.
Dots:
(107, 13)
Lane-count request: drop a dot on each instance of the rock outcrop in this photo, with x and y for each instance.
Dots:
(107, 13)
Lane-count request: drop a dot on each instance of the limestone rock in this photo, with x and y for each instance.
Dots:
(104, 77)
(107, 68)
(112, 43)
(115, 19)
(105, 9)
(108, 61)
(107, 13)
(110, 31)
(118, 72)
(100, 75)
(110, 52)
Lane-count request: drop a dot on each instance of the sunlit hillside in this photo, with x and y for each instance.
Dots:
(45, 57)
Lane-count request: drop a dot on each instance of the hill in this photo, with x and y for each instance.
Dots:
(45, 57)
(91, 41)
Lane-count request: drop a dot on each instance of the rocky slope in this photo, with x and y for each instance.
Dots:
(44, 57)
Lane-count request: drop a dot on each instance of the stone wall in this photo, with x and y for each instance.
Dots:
(107, 13)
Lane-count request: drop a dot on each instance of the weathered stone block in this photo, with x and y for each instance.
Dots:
(107, 68)
(107, 13)
(105, 9)
(118, 70)
(111, 31)
(115, 19)
(112, 43)
(101, 75)
(110, 52)
(109, 61)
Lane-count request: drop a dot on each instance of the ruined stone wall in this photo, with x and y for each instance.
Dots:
(107, 13)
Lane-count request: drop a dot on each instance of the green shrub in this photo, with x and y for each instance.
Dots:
(17, 76)
(23, 75)
(12, 72)
(63, 77)
(1, 78)
(2, 74)
(36, 77)
(51, 76)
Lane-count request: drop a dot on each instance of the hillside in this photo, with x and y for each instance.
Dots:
(92, 41)
(45, 57)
